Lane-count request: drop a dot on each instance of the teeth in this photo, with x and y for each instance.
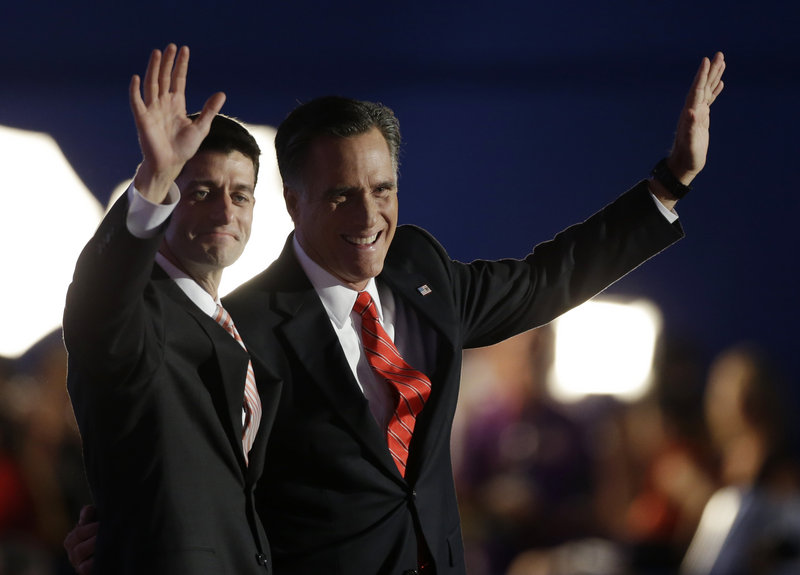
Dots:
(362, 241)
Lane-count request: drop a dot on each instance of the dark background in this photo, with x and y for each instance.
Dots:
(519, 119)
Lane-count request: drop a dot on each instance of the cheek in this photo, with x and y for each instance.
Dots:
(390, 213)
(247, 223)
(180, 224)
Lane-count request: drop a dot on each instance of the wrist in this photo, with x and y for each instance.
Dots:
(152, 184)
(675, 184)
(676, 165)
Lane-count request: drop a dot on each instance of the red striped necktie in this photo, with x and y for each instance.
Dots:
(251, 402)
(412, 387)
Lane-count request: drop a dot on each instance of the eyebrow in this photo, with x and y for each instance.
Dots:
(387, 184)
(345, 189)
(238, 186)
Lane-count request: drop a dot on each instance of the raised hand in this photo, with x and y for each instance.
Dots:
(690, 148)
(167, 137)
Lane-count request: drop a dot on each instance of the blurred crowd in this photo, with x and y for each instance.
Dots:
(42, 483)
(700, 476)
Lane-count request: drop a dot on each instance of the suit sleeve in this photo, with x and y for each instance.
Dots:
(494, 300)
(104, 321)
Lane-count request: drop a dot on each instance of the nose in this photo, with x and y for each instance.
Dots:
(367, 209)
(222, 209)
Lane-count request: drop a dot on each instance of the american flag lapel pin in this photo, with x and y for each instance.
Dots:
(424, 289)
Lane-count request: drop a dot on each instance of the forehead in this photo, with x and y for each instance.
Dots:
(332, 158)
(218, 167)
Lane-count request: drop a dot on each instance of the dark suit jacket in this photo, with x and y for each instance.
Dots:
(332, 500)
(157, 386)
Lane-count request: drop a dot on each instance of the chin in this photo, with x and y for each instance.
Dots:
(365, 275)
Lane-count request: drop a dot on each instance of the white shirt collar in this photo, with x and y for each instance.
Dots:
(337, 298)
(200, 297)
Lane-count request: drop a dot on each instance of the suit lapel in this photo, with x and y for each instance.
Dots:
(308, 331)
(425, 299)
(420, 295)
(227, 391)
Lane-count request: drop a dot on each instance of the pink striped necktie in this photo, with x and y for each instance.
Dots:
(412, 387)
(251, 402)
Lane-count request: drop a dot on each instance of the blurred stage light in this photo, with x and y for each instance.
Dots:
(271, 221)
(605, 347)
(48, 214)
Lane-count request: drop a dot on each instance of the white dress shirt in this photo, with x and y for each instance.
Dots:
(415, 341)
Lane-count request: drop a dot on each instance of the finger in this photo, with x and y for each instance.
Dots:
(718, 62)
(87, 515)
(72, 542)
(718, 88)
(137, 106)
(79, 548)
(180, 71)
(715, 76)
(87, 530)
(85, 568)
(715, 83)
(85, 549)
(165, 73)
(717, 65)
(210, 109)
(697, 90)
(79, 535)
(151, 77)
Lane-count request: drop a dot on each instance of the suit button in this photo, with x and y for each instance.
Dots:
(261, 558)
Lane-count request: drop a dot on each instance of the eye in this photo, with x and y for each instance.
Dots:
(383, 191)
(199, 194)
(338, 197)
(240, 198)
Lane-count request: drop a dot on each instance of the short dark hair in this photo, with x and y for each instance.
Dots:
(229, 135)
(331, 116)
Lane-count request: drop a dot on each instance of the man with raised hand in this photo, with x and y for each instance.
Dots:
(172, 423)
(372, 318)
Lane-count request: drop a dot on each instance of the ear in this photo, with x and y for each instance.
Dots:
(291, 200)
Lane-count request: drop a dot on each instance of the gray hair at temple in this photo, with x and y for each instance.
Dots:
(331, 116)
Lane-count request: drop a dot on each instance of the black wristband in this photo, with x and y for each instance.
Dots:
(664, 175)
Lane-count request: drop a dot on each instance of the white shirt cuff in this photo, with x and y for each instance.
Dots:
(145, 217)
(671, 215)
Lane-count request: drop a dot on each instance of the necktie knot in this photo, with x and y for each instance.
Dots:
(365, 305)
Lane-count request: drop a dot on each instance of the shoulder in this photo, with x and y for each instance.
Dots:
(414, 244)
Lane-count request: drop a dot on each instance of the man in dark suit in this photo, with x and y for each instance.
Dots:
(172, 448)
(339, 498)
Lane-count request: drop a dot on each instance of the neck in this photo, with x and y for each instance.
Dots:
(206, 277)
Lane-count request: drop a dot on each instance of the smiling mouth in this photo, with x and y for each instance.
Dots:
(362, 241)
(218, 233)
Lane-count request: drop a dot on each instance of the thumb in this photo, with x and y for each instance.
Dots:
(210, 109)
(88, 515)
